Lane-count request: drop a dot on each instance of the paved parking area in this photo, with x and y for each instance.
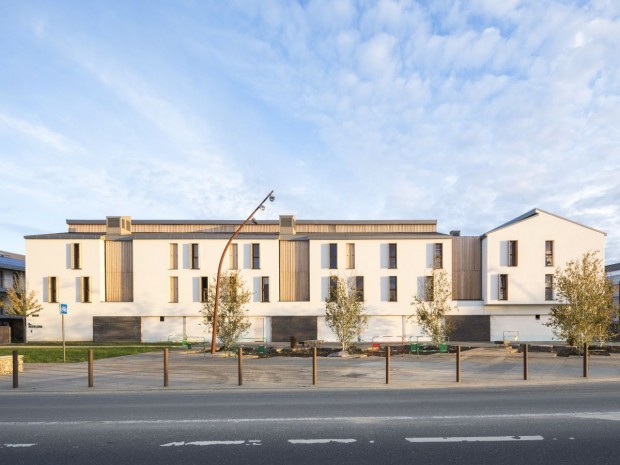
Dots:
(486, 367)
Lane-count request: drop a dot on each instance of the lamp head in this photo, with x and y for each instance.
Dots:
(262, 207)
(272, 198)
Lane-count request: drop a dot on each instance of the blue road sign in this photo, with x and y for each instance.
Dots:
(63, 309)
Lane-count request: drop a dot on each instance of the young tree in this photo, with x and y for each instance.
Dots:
(344, 311)
(585, 310)
(21, 302)
(432, 307)
(232, 314)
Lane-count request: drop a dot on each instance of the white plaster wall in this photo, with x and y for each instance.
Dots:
(528, 327)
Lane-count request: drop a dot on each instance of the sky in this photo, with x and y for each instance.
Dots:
(468, 112)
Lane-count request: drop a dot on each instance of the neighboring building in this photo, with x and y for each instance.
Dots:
(144, 280)
(12, 266)
(613, 273)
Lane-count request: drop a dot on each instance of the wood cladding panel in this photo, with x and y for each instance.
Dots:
(119, 271)
(466, 268)
(303, 328)
(365, 228)
(470, 328)
(294, 271)
(117, 329)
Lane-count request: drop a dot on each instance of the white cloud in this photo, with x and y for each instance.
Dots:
(38, 133)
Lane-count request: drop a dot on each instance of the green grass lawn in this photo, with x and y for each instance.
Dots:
(53, 354)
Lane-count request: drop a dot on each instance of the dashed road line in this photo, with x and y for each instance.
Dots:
(17, 445)
(321, 441)
(252, 442)
(476, 439)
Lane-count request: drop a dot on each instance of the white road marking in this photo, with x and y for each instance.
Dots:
(614, 415)
(477, 439)
(17, 445)
(321, 441)
(254, 442)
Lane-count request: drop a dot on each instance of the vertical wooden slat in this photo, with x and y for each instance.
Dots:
(466, 268)
(119, 271)
(294, 271)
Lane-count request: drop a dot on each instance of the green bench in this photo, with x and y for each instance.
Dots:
(424, 344)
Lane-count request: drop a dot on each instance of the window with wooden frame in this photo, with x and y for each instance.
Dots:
(195, 264)
(429, 288)
(548, 253)
(392, 256)
(513, 253)
(333, 256)
(333, 288)
(264, 289)
(52, 289)
(359, 288)
(438, 255)
(392, 291)
(204, 289)
(173, 249)
(256, 256)
(85, 289)
(502, 287)
(234, 257)
(76, 256)
(174, 289)
(350, 249)
(548, 287)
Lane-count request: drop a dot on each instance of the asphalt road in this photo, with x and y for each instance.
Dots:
(577, 424)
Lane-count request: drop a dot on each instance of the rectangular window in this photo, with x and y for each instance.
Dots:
(359, 288)
(392, 256)
(234, 257)
(76, 256)
(52, 289)
(350, 256)
(174, 289)
(548, 253)
(204, 288)
(333, 256)
(438, 255)
(85, 289)
(503, 287)
(548, 287)
(513, 252)
(194, 256)
(264, 285)
(333, 288)
(255, 256)
(392, 296)
(174, 256)
(429, 288)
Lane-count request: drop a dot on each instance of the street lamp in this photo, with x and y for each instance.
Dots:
(261, 206)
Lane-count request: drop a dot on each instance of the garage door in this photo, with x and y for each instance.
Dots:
(117, 328)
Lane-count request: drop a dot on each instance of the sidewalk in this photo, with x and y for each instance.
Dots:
(483, 367)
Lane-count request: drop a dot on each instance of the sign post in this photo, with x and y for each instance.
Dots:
(63, 312)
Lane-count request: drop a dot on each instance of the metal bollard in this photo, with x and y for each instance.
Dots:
(166, 350)
(91, 377)
(387, 364)
(15, 369)
(458, 364)
(525, 367)
(314, 371)
(240, 364)
(585, 360)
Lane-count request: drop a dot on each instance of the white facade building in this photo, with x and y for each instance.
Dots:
(143, 280)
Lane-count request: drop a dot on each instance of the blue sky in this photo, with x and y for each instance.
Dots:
(468, 112)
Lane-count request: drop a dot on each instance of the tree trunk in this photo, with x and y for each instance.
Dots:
(25, 329)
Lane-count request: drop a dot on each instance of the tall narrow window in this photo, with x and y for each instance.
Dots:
(76, 256)
(503, 287)
(255, 256)
(392, 256)
(513, 252)
(234, 257)
(194, 256)
(174, 256)
(548, 287)
(548, 253)
(429, 288)
(52, 289)
(204, 288)
(174, 289)
(333, 256)
(333, 288)
(359, 288)
(350, 256)
(392, 295)
(264, 286)
(438, 255)
(85, 289)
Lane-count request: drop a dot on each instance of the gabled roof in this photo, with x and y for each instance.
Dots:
(533, 213)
